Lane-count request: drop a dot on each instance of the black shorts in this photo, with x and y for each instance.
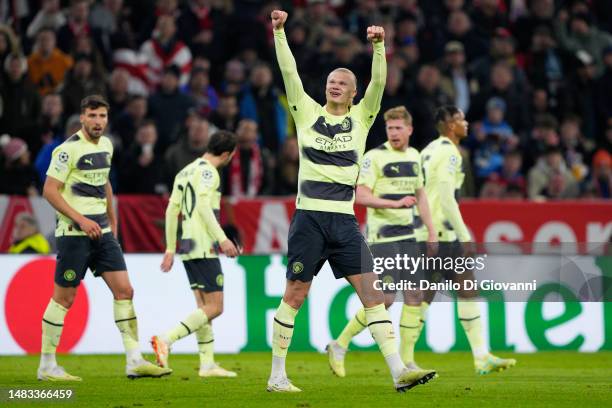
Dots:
(319, 236)
(77, 253)
(205, 274)
(407, 250)
(446, 251)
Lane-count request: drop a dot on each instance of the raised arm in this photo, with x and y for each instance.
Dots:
(286, 61)
(376, 87)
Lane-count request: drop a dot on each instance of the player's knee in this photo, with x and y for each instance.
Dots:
(65, 300)
(295, 299)
(216, 311)
(124, 293)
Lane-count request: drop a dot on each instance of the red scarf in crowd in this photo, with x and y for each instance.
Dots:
(255, 174)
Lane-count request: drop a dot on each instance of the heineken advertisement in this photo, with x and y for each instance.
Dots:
(551, 317)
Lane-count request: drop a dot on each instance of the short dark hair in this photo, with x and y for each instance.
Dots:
(444, 113)
(220, 142)
(94, 102)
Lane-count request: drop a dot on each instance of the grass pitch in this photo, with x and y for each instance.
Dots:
(546, 379)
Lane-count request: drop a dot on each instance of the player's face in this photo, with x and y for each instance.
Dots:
(459, 125)
(398, 133)
(340, 88)
(94, 121)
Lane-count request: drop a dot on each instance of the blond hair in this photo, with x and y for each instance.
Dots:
(399, 112)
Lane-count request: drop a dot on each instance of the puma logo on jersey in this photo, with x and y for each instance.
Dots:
(395, 168)
(88, 161)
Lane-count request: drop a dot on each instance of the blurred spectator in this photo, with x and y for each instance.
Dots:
(503, 87)
(201, 91)
(76, 26)
(250, 172)
(141, 168)
(317, 12)
(27, 238)
(226, 117)
(49, 125)
(188, 148)
(43, 159)
(580, 95)
(8, 43)
(427, 96)
(234, 77)
(288, 167)
(550, 178)
(109, 20)
(47, 64)
(501, 50)
(459, 28)
(201, 23)
(604, 90)
(495, 122)
(507, 181)
(457, 80)
(18, 176)
(262, 103)
(85, 45)
(600, 182)
(365, 14)
(488, 17)
(117, 92)
(541, 14)
(128, 120)
(146, 19)
(168, 107)
(49, 16)
(81, 81)
(164, 50)
(545, 64)
(582, 35)
(19, 101)
(575, 147)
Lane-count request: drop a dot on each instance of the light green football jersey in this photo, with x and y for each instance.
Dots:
(391, 174)
(83, 167)
(198, 184)
(442, 162)
(331, 147)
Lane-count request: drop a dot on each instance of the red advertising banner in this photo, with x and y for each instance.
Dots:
(264, 223)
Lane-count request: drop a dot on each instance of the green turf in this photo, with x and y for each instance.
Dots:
(553, 379)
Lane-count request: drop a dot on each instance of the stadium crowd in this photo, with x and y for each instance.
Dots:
(533, 76)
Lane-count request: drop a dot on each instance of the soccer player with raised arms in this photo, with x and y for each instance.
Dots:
(391, 186)
(443, 174)
(196, 198)
(77, 187)
(324, 228)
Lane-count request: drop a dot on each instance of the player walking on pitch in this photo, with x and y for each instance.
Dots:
(196, 198)
(332, 141)
(390, 184)
(443, 174)
(77, 187)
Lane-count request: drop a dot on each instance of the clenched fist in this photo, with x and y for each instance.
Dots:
(376, 34)
(278, 19)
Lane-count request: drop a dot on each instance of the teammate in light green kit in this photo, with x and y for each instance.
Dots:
(77, 187)
(196, 198)
(324, 228)
(390, 184)
(443, 172)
